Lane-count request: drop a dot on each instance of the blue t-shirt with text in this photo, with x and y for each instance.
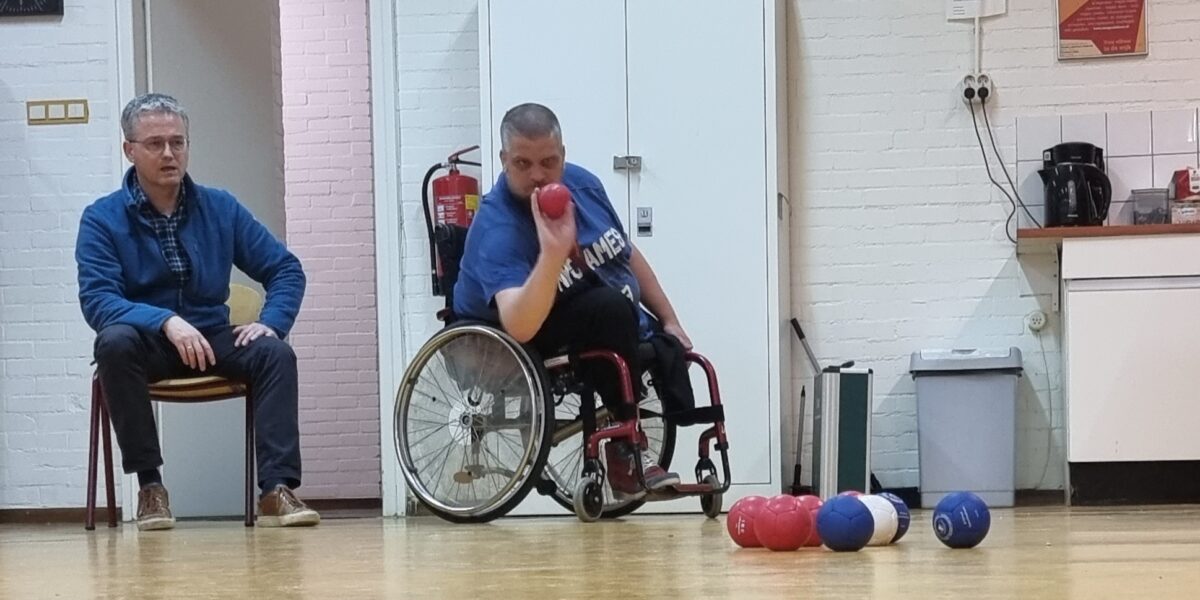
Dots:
(502, 248)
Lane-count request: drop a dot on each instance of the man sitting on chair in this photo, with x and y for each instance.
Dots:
(575, 282)
(155, 259)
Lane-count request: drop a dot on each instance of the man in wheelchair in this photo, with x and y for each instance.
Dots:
(570, 284)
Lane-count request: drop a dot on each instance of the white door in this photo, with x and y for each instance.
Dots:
(697, 118)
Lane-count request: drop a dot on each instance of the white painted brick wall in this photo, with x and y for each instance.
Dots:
(48, 174)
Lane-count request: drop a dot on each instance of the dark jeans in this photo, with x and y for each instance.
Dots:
(127, 359)
(600, 318)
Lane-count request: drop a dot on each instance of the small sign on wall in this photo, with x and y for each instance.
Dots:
(1101, 28)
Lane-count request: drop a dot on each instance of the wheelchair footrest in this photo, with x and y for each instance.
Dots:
(697, 416)
(679, 491)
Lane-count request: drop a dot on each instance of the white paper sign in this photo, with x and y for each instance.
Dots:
(969, 9)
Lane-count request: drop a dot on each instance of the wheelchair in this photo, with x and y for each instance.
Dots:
(482, 420)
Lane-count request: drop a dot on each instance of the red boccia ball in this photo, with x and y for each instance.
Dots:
(553, 199)
(813, 504)
(783, 524)
(740, 522)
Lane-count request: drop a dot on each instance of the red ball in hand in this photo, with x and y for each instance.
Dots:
(553, 199)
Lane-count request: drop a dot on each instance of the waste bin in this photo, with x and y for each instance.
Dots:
(966, 422)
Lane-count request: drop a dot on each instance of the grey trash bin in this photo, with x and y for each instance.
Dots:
(966, 422)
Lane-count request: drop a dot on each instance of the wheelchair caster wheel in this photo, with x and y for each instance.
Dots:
(711, 503)
(588, 499)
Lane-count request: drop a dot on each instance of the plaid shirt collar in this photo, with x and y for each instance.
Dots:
(142, 202)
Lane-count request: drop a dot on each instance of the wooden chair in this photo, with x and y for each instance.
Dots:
(244, 306)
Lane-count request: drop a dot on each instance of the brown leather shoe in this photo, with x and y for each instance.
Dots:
(281, 508)
(154, 508)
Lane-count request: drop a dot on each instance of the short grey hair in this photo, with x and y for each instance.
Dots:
(147, 104)
(530, 121)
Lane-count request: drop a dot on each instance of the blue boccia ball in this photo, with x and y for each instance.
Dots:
(961, 520)
(902, 514)
(845, 524)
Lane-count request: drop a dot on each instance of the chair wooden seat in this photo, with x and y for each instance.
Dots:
(200, 389)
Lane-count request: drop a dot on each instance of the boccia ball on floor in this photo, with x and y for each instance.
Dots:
(783, 524)
(903, 516)
(961, 520)
(740, 521)
(883, 513)
(813, 504)
(845, 524)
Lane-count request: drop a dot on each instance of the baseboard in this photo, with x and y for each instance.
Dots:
(1040, 498)
(332, 504)
(1125, 483)
(328, 507)
(43, 516)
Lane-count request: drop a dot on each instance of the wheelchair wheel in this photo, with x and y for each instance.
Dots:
(473, 423)
(565, 462)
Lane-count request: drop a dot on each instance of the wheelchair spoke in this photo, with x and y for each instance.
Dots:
(442, 470)
(430, 422)
(484, 362)
(517, 448)
(458, 488)
(426, 408)
(430, 434)
(574, 459)
(487, 469)
(441, 451)
(437, 383)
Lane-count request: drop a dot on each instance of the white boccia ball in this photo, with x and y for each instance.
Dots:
(886, 519)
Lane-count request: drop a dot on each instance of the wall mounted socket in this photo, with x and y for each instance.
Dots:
(976, 88)
(1036, 321)
(984, 87)
(966, 89)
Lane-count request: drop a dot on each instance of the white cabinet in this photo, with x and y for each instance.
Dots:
(1132, 340)
(692, 89)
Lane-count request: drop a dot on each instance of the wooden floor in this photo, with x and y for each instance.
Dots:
(1030, 553)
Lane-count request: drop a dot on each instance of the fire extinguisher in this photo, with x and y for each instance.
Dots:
(455, 200)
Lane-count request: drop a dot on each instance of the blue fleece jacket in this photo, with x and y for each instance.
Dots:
(123, 277)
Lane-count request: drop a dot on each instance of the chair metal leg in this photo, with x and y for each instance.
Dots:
(89, 519)
(249, 458)
(110, 486)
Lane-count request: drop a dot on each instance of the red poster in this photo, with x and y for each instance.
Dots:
(1093, 28)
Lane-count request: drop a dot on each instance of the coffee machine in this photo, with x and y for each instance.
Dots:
(1078, 191)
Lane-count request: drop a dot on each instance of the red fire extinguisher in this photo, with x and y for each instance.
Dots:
(455, 200)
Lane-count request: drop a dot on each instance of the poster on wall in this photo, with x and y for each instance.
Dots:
(1101, 28)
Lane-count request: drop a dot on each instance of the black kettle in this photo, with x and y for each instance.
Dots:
(1078, 192)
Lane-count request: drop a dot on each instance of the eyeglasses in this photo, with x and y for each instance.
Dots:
(157, 145)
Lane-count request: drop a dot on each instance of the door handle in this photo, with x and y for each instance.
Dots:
(627, 163)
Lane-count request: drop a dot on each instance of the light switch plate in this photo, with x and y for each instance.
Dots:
(57, 112)
(645, 221)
